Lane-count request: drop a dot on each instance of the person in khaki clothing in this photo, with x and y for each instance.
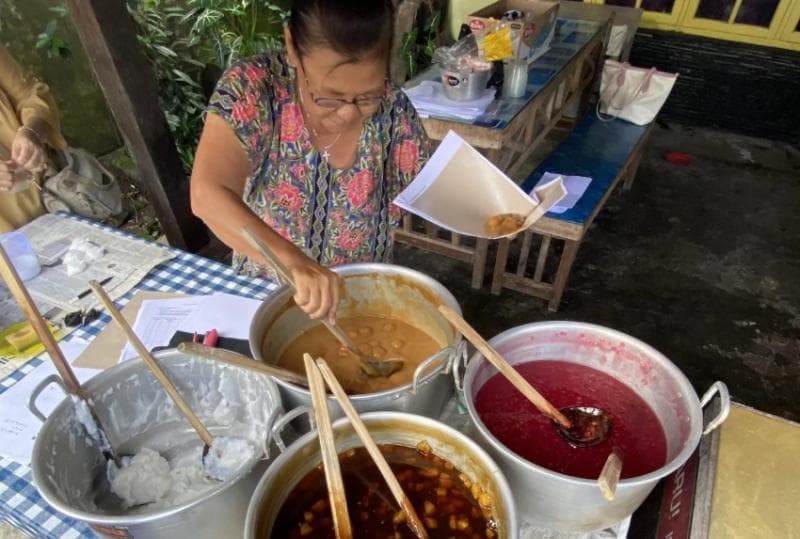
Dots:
(28, 124)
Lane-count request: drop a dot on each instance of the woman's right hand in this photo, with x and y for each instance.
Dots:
(6, 175)
(317, 288)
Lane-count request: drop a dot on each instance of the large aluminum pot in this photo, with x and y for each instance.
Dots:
(561, 502)
(386, 428)
(136, 412)
(370, 289)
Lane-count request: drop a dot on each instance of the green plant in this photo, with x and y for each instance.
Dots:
(190, 41)
(419, 43)
(8, 12)
(50, 39)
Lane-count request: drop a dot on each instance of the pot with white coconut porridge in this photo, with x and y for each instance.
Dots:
(164, 483)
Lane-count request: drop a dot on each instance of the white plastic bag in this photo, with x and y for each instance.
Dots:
(632, 93)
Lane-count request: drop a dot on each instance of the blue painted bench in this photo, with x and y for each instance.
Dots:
(608, 152)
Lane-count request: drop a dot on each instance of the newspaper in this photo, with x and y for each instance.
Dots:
(124, 263)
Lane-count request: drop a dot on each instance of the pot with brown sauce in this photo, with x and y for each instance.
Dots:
(391, 312)
(455, 487)
(446, 500)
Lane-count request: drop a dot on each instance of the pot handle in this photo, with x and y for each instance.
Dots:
(282, 421)
(724, 404)
(41, 386)
(460, 368)
(427, 364)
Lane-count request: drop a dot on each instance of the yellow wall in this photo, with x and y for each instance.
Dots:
(458, 10)
(781, 33)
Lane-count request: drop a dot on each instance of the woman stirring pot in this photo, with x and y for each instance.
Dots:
(308, 147)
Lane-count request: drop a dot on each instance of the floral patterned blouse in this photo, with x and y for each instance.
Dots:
(336, 216)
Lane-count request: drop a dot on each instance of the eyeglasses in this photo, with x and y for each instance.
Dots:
(363, 103)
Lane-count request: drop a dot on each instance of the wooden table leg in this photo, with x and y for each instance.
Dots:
(633, 167)
(564, 267)
(541, 261)
(500, 265)
(479, 262)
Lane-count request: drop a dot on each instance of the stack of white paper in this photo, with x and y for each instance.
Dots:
(159, 319)
(429, 99)
(18, 426)
(575, 185)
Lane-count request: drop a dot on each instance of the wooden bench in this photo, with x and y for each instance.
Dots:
(608, 152)
(510, 131)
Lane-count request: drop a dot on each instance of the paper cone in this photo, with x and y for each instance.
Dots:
(460, 190)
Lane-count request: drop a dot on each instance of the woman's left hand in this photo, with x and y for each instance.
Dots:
(27, 151)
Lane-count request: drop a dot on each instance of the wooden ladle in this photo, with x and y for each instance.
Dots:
(578, 428)
(159, 373)
(234, 358)
(374, 368)
(412, 519)
(330, 457)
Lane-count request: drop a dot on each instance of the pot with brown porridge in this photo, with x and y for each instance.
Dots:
(390, 312)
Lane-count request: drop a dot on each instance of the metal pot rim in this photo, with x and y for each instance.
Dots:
(98, 383)
(361, 268)
(693, 404)
(506, 494)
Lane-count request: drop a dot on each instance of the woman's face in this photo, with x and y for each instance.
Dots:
(338, 94)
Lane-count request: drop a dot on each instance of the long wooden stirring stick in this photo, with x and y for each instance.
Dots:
(412, 519)
(152, 364)
(330, 458)
(284, 273)
(372, 367)
(235, 358)
(39, 324)
(505, 368)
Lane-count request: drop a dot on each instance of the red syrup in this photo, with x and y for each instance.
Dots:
(514, 421)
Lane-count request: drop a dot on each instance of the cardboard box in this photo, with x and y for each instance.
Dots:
(532, 35)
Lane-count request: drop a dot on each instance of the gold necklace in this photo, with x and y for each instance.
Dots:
(325, 153)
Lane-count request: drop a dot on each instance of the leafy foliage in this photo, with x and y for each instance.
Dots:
(50, 40)
(420, 42)
(190, 42)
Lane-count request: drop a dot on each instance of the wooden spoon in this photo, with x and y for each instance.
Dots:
(581, 426)
(505, 368)
(330, 458)
(160, 374)
(374, 368)
(609, 475)
(412, 519)
(39, 324)
(234, 358)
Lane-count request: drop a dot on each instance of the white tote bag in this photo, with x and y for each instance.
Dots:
(632, 93)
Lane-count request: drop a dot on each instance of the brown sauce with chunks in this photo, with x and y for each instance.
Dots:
(446, 501)
(376, 337)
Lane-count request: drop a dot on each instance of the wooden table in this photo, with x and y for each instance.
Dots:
(559, 83)
(609, 152)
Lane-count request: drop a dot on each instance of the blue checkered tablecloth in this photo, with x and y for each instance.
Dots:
(20, 503)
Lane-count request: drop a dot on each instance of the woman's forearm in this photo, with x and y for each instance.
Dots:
(217, 187)
(226, 214)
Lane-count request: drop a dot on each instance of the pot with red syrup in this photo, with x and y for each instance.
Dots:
(657, 420)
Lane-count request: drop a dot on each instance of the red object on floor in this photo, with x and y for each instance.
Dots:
(678, 158)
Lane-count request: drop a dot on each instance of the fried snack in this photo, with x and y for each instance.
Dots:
(504, 223)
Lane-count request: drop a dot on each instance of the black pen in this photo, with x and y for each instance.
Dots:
(89, 290)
